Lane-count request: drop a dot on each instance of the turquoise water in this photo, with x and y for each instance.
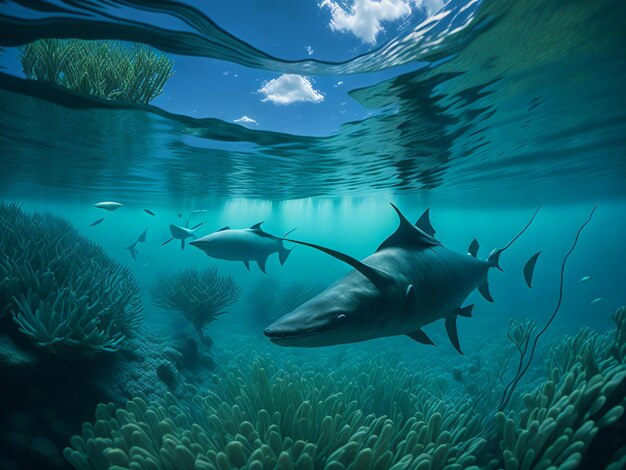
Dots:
(481, 114)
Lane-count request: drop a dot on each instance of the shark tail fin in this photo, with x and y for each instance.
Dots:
(283, 254)
(494, 257)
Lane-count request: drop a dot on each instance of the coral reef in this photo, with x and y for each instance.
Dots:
(200, 296)
(262, 412)
(106, 69)
(260, 417)
(62, 291)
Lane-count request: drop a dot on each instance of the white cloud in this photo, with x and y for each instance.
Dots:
(364, 18)
(309, 50)
(245, 120)
(290, 88)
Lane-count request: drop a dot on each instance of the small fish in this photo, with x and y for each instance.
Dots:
(179, 215)
(108, 205)
(148, 211)
(586, 278)
(97, 222)
(140, 239)
(198, 211)
(595, 301)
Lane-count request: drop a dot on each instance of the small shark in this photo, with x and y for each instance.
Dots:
(140, 239)
(108, 206)
(411, 280)
(182, 233)
(249, 244)
(598, 300)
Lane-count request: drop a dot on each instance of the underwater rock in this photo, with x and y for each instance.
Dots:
(166, 373)
(207, 361)
(189, 350)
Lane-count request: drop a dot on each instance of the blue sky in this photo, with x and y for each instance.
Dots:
(332, 30)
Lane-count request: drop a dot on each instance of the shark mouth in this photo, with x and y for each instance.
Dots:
(277, 336)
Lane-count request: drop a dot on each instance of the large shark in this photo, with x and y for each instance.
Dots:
(249, 244)
(411, 280)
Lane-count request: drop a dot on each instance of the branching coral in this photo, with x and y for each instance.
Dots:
(106, 69)
(557, 422)
(63, 291)
(200, 296)
(258, 418)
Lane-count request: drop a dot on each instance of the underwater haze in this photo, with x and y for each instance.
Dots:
(360, 234)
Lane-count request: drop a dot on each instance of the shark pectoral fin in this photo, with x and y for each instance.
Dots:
(133, 254)
(465, 311)
(452, 331)
(142, 237)
(182, 244)
(246, 263)
(283, 253)
(483, 288)
(167, 241)
(421, 337)
(378, 277)
(473, 248)
(423, 223)
(529, 268)
(261, 264)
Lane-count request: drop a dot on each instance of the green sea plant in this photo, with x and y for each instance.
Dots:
(259, 416)
(521, 334)
(555, 424)
(61, 290)
(200, 296)
(107, 69)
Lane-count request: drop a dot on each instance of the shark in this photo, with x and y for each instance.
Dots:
(411, 281)
(182, 233)
(249, 244)
(140, 239)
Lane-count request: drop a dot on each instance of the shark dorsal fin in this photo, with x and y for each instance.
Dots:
(378, 277)
(257, 227)
(423, 223)
(472, 250)
(407, 234)
(223, 228)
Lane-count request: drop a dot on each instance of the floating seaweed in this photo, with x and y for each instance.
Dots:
(107, 69)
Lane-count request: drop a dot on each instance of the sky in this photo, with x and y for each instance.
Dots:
(319, 29)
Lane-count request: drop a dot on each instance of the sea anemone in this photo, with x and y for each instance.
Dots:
(63, 291)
